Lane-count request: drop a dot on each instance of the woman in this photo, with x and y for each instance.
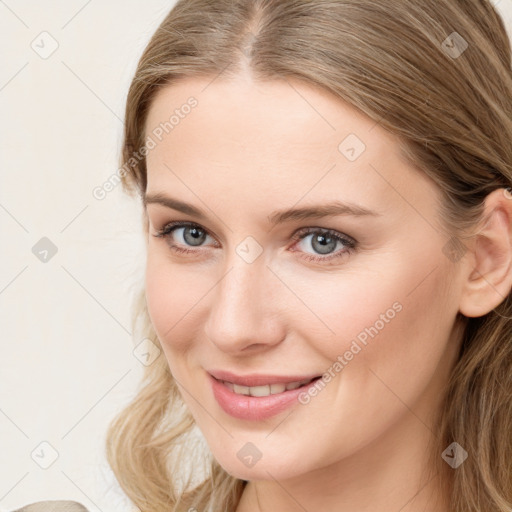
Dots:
(395, 299)
(326, 206)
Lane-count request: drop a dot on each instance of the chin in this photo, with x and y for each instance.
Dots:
(268, 469)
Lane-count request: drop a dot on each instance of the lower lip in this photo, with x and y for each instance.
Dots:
(255, 408)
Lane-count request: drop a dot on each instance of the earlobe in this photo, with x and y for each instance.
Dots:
(489, 279)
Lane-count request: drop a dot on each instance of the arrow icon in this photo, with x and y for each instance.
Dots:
(249, 454)
(454, 45)
(351, 147)
(454, 455)
(44, 455)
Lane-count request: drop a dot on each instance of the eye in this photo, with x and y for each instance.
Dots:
(192, 235)
(323, 241)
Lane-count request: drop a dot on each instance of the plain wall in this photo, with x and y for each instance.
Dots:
(66, 361)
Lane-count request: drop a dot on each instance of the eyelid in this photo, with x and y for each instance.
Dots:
(303, 232)
(170, 227)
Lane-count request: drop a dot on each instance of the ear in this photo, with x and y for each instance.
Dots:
(488, 280)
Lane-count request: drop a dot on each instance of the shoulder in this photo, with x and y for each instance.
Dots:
(53, 506)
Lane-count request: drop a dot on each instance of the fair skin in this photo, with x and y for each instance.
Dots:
(247, 150)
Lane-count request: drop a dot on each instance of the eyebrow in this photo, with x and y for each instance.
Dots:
(276, 217)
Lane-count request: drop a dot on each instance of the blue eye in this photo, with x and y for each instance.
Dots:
(192, 234)
(323, 241)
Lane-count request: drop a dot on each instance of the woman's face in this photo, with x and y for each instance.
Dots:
(310, 248)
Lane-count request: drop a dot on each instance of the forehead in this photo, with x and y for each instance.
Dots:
(278, 135)
(263, 116)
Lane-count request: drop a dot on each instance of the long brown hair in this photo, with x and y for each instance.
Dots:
(435, 73)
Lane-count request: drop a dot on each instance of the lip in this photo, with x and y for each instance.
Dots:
(259, 379)
(254, 408)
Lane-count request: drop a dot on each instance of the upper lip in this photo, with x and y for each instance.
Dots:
(258, 379)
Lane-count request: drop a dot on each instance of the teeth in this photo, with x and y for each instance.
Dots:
(277, 388)
(269, 389)
(241, 390)
(259, 390)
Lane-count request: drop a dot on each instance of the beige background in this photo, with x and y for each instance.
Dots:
(66, 363)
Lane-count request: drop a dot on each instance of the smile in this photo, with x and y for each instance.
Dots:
(257, 398)
(265, 390)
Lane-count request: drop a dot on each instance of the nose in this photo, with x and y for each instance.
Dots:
(245, 310)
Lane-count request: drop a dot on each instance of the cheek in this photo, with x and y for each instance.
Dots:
(403, 314)
(175, 294)
(159, 296)
(169, 296)
(409, 357)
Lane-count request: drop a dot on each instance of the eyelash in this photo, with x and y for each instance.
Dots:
(350, 243)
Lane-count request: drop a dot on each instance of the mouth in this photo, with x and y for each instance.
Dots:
(258, 397)
(266, 389)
